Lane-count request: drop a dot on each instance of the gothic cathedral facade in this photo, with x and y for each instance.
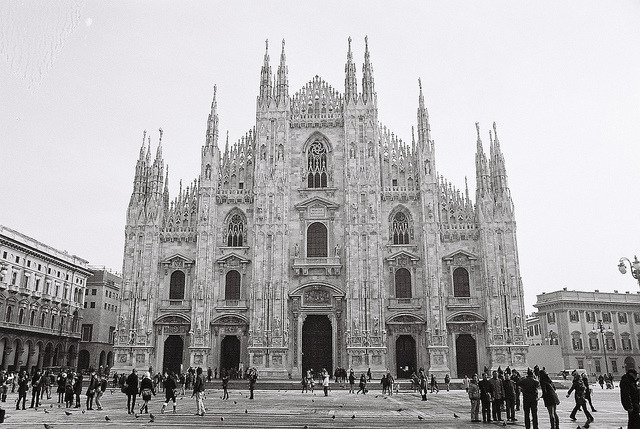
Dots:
(320, 240)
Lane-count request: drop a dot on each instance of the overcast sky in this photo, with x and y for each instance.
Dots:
(79, 82)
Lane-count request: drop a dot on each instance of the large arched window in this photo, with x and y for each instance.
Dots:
(400, 228)
(232, 285)
(403, 283)
(8, 314)
(317, 240)
(235, 231)
(21, 316)
(176, 286)
(461, 282)
(317, 165)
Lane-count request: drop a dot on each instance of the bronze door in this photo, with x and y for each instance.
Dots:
(173, 349)
(405, 356)
(230, 353)
(466, 356)
(317, 347)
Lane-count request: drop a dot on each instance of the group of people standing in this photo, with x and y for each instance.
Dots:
(502, 391)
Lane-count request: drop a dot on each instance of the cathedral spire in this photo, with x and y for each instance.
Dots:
(482, 174)
(350, 81)
(283, 79)
(424, 129)
(499, 171)
(165, 194)
(212, 121)
(368, 90)
(266, 89)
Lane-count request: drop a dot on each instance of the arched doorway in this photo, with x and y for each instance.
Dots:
(230, 352)
(317, 347)
(110, 359)
(466, 356)
(102, 361)
(173, 349)
(405, 356)
(83, 360)
(48, 355)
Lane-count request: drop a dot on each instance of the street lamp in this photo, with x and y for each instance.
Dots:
(635, 267)
(601, 329)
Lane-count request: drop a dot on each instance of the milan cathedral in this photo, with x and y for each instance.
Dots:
(320, 239)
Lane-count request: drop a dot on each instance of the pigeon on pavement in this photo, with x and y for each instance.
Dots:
(47, 426)
(46, 412)
(67, 413)
(107, 418)
(420, 418)
(455, 416)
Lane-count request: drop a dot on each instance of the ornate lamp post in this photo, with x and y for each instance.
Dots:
(599, 328)
(635, 267)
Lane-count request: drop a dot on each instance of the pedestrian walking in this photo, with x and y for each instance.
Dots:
(253, 377)
(198, 392)
(486, 397)
(36, 386)
(498, 397)
(550, 399)
(102, 386)
(3, 386)
(352, 380)
(325, 382)
(362, 387)
(131, 389)
(474, 396)
(587, 392)
(305, 384)
(45, 384)
(423, 386)
(630, 397)
(91, 390)
(170, 390)
(369, 374)
(77, 387)
(601, 381)
(447, 381)
(529, 387)
(146, 390)
(434, 384)
(390, 383)
(23, 387)
(225, 384)
(579, 395)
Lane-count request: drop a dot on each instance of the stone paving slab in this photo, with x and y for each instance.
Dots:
(291, 409)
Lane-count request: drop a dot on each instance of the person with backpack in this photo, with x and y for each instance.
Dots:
(36, 386)
(146, 390)
(23, 388)
(198, 392)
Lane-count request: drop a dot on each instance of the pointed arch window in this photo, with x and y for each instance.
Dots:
(232, 285)
(8, 314)
(461, 282)
(176, 285)
(236, 231)
(317, 165)
(400, 228)
(403, 283)
(317, 240)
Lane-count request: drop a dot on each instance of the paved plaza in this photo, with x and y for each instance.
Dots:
(291, 409)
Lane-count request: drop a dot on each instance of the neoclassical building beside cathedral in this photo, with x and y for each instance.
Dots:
(320, 239)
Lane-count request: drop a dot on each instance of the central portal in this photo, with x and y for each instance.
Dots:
(317, 347)
(173, 349)
(230, 353)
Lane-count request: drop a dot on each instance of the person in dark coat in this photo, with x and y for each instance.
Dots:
(94, 385)
(131, 390)
(509, 389)
(170, 390)
(23, 388)
(529, 387)
(550, 398)
(77, 388)
(498, 396)
(362, 387)
(146, 390)
(486, 396)
(36, 385)
(630, 397)
(581, 402)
